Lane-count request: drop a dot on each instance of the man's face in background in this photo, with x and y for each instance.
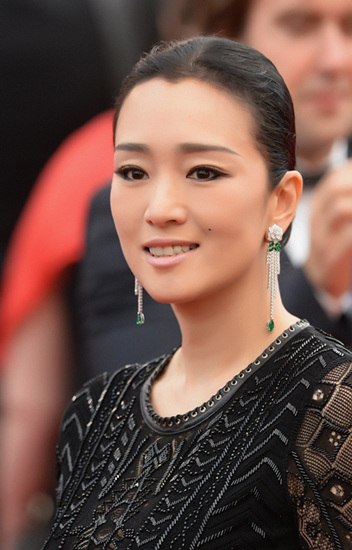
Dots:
(310, 42)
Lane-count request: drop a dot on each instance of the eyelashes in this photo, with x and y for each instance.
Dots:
(205, 173)
(201, 173)
(131, 173)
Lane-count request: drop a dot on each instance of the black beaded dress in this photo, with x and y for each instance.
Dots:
(266, 463)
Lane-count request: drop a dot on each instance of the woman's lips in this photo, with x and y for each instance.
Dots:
(169, 255)
(160, 251)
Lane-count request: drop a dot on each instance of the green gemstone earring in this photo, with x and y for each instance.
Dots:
(273, 260)
(138, 291)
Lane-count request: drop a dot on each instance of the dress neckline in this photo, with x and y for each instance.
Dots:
(186, 421)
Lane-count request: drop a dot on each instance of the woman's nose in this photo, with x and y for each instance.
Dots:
(166, 204)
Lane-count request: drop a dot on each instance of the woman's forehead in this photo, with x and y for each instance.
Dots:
(193, 100)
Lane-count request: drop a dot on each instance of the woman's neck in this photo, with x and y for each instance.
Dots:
(220, 337)
(224, 335)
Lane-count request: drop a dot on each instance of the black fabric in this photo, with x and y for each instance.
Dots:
(51, 83)
(105, 305)
(265, 463)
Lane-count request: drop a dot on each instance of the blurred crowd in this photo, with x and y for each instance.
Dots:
(67, 306)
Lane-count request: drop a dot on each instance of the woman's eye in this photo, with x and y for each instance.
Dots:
(204, 173)
(131, 173)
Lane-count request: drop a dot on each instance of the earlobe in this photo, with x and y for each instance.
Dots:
(287, 195)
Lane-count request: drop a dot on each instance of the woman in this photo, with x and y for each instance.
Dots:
(241, 438)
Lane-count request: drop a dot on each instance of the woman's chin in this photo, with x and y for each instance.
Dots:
(167, 297)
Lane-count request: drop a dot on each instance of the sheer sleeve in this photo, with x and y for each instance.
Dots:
(320, 465)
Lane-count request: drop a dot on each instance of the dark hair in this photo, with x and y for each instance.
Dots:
(240, 71)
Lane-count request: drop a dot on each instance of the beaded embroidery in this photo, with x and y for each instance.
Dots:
(222, 482)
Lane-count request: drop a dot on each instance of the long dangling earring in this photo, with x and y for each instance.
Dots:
(138, 291)
(273, 261)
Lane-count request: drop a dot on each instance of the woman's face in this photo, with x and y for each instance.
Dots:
(190, 195)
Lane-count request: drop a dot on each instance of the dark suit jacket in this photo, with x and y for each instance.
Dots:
(299, 298)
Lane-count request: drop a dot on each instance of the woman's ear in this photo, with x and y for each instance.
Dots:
(286, 196)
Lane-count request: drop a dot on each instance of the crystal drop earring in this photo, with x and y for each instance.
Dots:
(273, 260)
(138, 291)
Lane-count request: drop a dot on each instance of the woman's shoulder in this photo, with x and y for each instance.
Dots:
(86, 402)
(319, 468)
(89, 407)
(332, 349)
(318, 353)
(332, 387)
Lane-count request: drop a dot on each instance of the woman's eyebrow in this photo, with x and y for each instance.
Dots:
(200, 147)
(137, 147)
(183, 147)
